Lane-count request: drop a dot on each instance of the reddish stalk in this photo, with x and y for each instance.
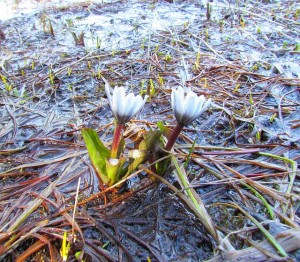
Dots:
(116, 141)
(173, 137)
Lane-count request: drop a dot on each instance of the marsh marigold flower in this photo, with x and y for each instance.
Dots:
(124, 107)
(187, 106)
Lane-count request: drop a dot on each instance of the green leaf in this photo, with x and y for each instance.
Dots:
(164, 129)
(97, 151)
(137, 157)
(114, 168)
(149, 141)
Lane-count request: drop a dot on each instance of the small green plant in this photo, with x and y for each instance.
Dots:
(222, 23)
(208, 11)
(258, 136)
(79, 40)
(254, 68)
(236, 88)
(113, 164)
(251, 99)
(151, 88)
(89, 64)
(69, 71)
(65, 247)
(8, 87)
(297, 47)
(160, 80)
(273, 117)
(142, 46)
(284, 45)
(186, 24)
(258, 30)
(51, 77)
(197, 62)
(98, 42)
(206, 34)
(242, 21)
(296, 15)
(70, 22)
(47, 25)
(168, 58)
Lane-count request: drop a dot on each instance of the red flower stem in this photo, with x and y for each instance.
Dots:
(173, 137)
(116, 141)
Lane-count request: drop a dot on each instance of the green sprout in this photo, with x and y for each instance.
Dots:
(273, 117)
(197, 62)
(47, 25)
(70, 22)
(65, 247)
(168, 58)
(51, 77)
(251, 99)
(8, 86)
(284, 45)
(69, 71)
(160, 80)
(236, 87)
(222, 23)
(206, 34)
(242, 21)
(258, 30)
(89, 64)
(98, 42)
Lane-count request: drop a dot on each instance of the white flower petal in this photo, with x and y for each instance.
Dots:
(177, 100)
(191, 103)
(124, 107)
(118, 101)
(107, 90)
(187, 107)
(205, 106)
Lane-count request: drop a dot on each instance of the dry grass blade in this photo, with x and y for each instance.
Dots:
(195, 200)
(36, 203)
(30, 250)
(289, 240)
(269, 237)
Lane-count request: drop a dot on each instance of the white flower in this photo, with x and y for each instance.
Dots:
(124, 107)
(188, 107)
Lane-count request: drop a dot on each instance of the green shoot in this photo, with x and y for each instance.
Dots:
(272, 118)
(197, 62)
(236, 88)
(8, 87)
(258, 30)
(65, 247)
(98, 42)
(69, 71)
(251, 99)
(242, 22)
(160, 81)
(190, 153)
